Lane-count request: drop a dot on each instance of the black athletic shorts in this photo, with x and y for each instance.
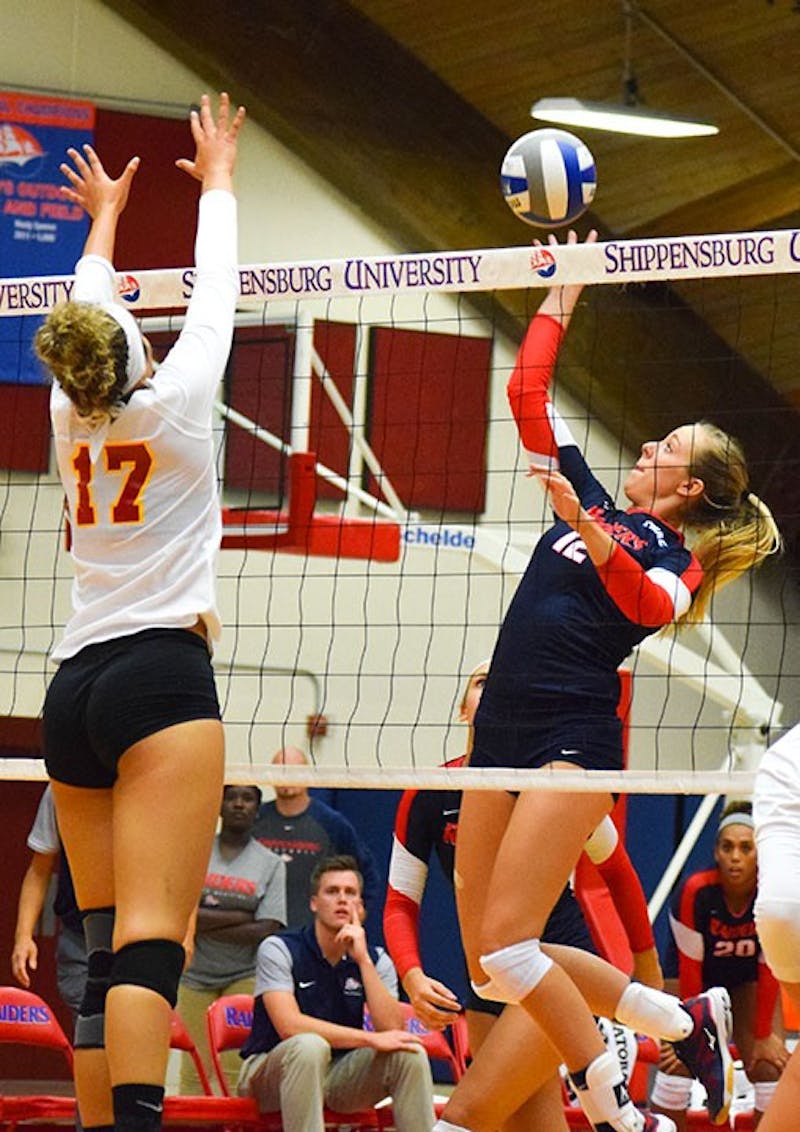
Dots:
(116, 693)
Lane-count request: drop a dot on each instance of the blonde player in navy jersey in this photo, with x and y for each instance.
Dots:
(599, 581)
(132, 733)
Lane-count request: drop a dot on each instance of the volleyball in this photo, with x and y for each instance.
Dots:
(548, 178)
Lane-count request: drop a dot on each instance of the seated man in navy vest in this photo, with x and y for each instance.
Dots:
(308, 1046)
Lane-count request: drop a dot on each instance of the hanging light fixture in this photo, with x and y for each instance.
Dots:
(627, 116)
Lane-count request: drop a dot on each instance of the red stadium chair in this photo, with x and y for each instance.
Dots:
(181, 1039)
(436, 1044)
(26, 1019)
(461, 1042)
(229, 1019)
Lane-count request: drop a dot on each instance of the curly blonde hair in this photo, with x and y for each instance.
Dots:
(736, 528)
(86, 351)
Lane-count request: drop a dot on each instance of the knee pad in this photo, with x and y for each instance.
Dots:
(98, 931)
(778, 923)
(513, 971)
(155, 964)
(670, 1092)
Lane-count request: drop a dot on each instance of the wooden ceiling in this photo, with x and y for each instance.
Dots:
(407, 107)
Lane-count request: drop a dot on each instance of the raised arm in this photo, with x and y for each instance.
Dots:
(101, 196)
(541, 430)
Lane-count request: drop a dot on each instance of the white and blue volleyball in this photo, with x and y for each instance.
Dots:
(548, 178)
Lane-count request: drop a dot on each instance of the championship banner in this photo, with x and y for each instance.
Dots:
(40, 232)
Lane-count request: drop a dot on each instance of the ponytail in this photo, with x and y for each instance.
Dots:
(736, 530)
(87, 352)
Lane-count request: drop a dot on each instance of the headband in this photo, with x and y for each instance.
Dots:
(736, 818)
(136, 363)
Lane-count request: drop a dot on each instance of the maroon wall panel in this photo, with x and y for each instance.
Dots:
(259, 386)
(428, 416)
(158, 226)
(24, 427)
(335, 342)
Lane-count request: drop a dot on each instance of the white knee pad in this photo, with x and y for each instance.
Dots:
(670, 1092)
(778, 923)
(513, 971)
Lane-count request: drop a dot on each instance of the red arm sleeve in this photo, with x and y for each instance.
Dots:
(766, 998)
(690, 969)
(408, 871)
(529, 382)
(642, 600)
(627, 893)
(401, 931)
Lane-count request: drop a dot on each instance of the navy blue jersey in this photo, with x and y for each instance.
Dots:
(292, 961)
(570, 625)
(563, 635)
(716, 947)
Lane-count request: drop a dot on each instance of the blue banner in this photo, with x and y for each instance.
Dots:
(41, 233)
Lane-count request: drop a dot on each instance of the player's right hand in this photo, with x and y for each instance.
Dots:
(390, 1041)
(25, 956)
(434, 1003)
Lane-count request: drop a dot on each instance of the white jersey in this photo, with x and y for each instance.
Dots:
(141, 489)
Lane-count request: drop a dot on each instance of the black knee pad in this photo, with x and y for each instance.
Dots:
(98, 931)
(156, 964)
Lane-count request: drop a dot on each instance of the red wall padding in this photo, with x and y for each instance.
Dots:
(428, 416)
(158, 226)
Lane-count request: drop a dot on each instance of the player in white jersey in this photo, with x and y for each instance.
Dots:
(132, 732)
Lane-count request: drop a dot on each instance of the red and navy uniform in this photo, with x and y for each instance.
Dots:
(427, 822)
(718, 947)
(570, 625)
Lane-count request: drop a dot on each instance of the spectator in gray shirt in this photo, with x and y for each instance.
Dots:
(243, 901)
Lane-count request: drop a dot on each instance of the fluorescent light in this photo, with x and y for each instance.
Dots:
(618, 118)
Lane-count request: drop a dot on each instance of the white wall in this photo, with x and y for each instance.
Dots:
(383, 688)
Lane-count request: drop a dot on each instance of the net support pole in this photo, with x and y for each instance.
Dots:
(681, 855)
(302, 383)
(357, 434)
(748, 744)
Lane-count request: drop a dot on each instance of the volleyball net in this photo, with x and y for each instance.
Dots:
(377, 515)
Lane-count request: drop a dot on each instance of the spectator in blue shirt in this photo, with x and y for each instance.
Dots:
(304, 831)
(308, 1046)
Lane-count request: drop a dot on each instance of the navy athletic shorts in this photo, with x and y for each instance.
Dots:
(114, 694)
(593, 742)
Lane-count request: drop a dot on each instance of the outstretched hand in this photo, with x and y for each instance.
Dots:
(90, 186)
(560, 301)
(215, 144)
